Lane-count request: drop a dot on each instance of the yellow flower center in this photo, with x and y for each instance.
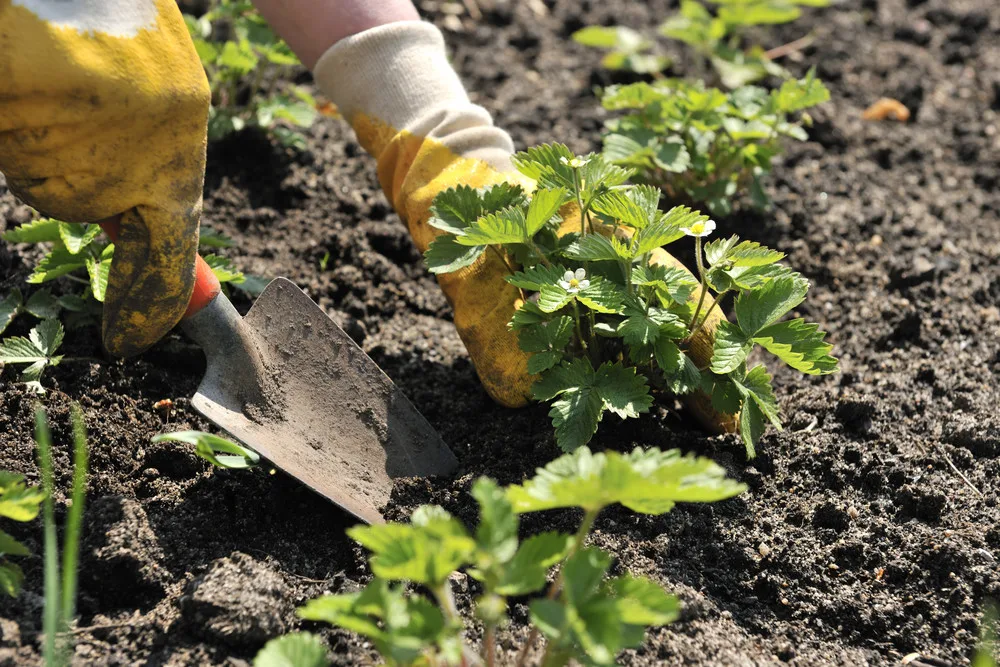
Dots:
(698, 227)
(573, 283)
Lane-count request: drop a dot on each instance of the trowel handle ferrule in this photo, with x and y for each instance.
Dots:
(206, 284)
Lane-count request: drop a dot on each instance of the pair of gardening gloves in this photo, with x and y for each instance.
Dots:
(103, 112)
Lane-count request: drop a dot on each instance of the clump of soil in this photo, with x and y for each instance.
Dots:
(870, 528)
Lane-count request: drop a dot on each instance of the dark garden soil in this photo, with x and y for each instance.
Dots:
(870, 530)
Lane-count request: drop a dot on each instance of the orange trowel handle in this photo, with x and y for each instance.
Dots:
(206, 285)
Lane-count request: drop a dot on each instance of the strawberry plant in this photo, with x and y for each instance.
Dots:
(607, 318)
(702, 144)
(718, 39)
(80, 256)
(585, 615)
(18, 502)
(245, 62)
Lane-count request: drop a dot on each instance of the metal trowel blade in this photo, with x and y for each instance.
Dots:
(290, 384)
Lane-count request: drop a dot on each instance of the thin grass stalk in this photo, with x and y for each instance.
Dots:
(51, 615)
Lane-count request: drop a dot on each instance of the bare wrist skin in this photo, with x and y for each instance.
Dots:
(311, 27)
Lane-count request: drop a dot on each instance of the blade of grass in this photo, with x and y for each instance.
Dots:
(51, 615)
(71, 548)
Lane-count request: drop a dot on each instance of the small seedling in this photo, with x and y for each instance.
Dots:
(215, 449)
(701, 144)
(717, 39)
(585, 615)
(245, 62)
(18, 502)
(61, 582)
(299, 649)
(605, 317)
(37, 351)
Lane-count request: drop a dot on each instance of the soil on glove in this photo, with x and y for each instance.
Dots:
(870, 528)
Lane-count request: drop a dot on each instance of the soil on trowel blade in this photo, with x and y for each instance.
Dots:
(870, 528)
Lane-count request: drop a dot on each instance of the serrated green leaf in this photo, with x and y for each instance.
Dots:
(529, 313)
(526, 571)
(756, 386)
(623, 391)
(426, 551)
(547, 342)
(637, 207)
(596, 248)
(298, 649)
(215, 449)
(553, 297)
(602, 296)
(497, 531)
(535, 277)
(77, 236)
(446, 255)
(506, 226)
(575, 416)
(752, 426)
(643, 325)
(667, 229)
(647, 481)
(730, 349)
(799, 344)
(673, 285)
(726, 397)
(455, 209)
(401, 627)
(643, 602)
(56, 263)
(238, 57)
(798, 95)
(10, 306)
(36, 231)
(548, 164)
(18, 501)
(767, 304)
(41, 304)
(98, 271)
(679, 370)
(545, 203)
(224, 269)
(671, 155)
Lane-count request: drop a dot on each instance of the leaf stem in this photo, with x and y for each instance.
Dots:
(704, 280)
(491, 645)
(579, 329)
(556, 586)
(718, 298)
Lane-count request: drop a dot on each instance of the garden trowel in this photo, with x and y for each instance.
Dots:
(288, 383)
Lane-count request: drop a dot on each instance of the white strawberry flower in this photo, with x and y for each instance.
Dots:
(700, 228)
(574, 281)
(575, 163)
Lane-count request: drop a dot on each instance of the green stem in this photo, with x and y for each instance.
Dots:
(579, 329)
(704, 281)
(718, 298)
(579, 202)
(491, 645)
(556, 586)
(52, 608)
(74, 519)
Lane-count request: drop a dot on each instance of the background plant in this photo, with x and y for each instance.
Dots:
(247, 65)
(18, 502)
(61, 581)
(585, 615)
(717, 39)
(704, 145)
(604, 323)
(79, 256)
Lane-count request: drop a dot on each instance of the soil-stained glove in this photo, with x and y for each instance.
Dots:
(410, 111)
(103, 111)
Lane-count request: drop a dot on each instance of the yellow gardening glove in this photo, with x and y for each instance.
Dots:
(409, 110)
(103, 111)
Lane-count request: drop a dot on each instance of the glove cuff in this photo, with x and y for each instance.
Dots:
(397, 76)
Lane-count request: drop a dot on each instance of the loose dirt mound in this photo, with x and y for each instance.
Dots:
(861, 539)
